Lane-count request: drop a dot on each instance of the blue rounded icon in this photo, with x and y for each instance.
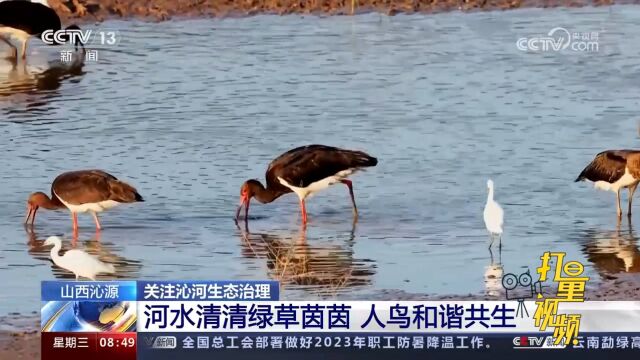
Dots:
(97, 313)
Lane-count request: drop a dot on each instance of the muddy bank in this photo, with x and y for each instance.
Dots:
(624, 287)
(20, 345)
(19, 337)
(97, 10)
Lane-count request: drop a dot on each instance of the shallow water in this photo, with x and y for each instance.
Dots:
(187, 110)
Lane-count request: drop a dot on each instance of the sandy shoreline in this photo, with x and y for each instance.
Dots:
(19, 336)
(158, 10)
(20, 346)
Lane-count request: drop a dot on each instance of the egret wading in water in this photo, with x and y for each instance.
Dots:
(83, 191)
(613, 170)
(493, 216)
(306, 170)
(79, 262)
(22, 19)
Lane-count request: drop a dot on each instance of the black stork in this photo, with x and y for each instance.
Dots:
(23, 18)
(83, 191)
(305, 170)
(613, 170)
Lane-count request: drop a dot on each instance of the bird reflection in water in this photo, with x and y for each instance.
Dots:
(105, 251)
(493, 276)
(612, 252)
(324, 269)
(18, 79)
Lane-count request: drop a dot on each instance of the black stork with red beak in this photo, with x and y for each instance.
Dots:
(305, 170)
(83, 191)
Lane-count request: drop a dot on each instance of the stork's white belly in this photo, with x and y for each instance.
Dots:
(14, 33)
(626, 180)
(93, 207)
(304, 192)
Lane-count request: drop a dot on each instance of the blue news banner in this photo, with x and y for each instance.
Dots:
(246, 320)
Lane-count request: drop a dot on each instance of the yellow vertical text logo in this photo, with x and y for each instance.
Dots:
(571, 287)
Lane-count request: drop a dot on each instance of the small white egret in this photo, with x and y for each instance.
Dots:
(77, 261)
(493, 216)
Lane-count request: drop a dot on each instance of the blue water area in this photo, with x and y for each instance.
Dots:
(188, 110)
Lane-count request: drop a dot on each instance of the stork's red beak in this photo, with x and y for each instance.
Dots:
(244, 200)
(31, 213)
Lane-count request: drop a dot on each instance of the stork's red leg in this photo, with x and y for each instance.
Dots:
(74, 219)
(95, 218)
(353, 198)
(303, 209)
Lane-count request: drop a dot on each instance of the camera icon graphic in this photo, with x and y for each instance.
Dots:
(521, 288)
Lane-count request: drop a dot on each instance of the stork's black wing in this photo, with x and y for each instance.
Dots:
(32, 18)
(307, 164)
(607, 166)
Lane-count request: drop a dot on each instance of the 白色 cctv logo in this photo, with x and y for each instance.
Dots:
(71, 36)
(74, 36)
(558, 39)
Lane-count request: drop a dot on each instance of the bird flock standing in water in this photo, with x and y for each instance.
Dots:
(304, 171)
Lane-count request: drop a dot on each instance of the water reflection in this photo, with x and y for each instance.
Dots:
(493, 275)
(17, 78)
(612, 252)
(105, 251)
(188, 132)
(324, 269)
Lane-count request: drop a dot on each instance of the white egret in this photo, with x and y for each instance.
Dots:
(77, 261)
(493, 216)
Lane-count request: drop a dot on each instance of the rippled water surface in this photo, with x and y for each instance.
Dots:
(187, 110)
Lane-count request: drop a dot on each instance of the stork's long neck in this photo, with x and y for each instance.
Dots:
(490, 195)
(55, 256)
(51, 203)
(265, 196)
